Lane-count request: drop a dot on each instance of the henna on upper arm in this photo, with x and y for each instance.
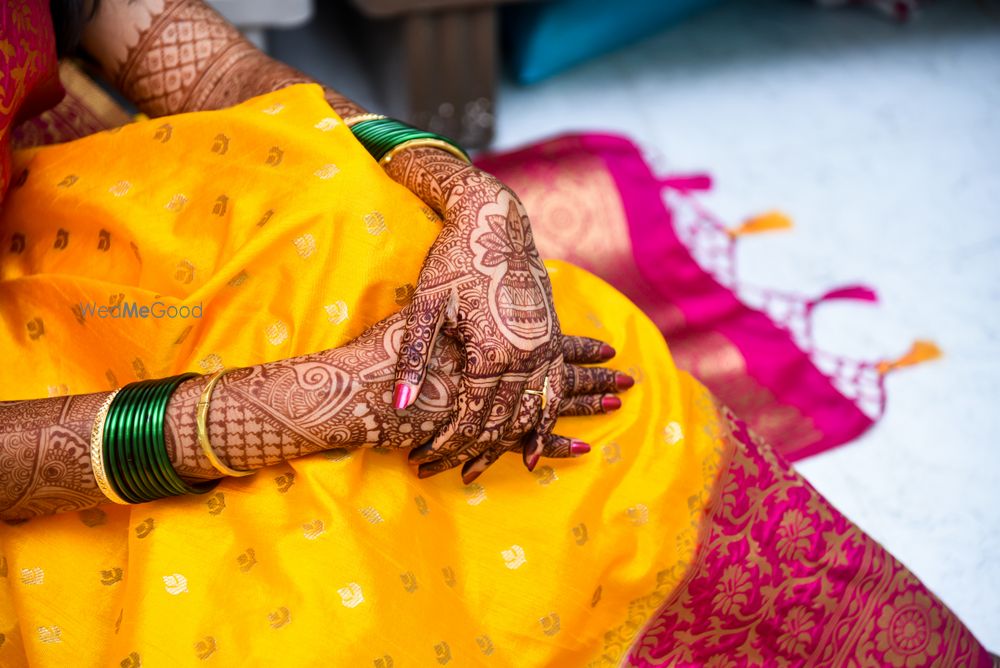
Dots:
(174, 56)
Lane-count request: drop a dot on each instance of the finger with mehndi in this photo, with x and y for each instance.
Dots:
(585, 350)
(555, 446)
(590, 404)
(595, 380)
(423, 319)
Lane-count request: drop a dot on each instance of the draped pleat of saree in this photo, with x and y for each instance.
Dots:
(680, 540)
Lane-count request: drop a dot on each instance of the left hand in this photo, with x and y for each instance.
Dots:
(484, 283)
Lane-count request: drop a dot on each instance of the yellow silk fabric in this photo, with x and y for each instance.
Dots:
(272, 218)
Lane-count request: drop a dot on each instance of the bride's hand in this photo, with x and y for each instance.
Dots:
(370, 360)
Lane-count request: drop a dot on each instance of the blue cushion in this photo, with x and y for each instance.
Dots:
(543, 38)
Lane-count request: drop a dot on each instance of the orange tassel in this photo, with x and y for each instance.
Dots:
(765, 222)
(919, 352)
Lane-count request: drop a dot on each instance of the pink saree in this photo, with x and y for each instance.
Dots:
(780, 577)
(595, 202)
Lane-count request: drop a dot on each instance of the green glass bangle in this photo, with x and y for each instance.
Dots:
(131, 446)
(147, 433)
(112, 436)
(380, 135)
(134, 445)
(160, 447)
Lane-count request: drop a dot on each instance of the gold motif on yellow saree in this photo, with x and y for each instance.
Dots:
(285, 481)
(221, 205)
(514, 558)
(145, 527)
(409, 581)
(247, 559)
(351, 595)
(279, 617)
(175, 584)
(673, 433)
(326, 124)
(638, 514)
(443, 652)
(474, 494)
(111, 576)
(176, 202)
(313, 530)
(32, 576)
(546, 475)
(371, 514)
(327, 171)
(276, 333)
(375, 223)
(305, 245)
(120, 189)
(216, 503)
(163, 133)
(184, 272)
(550, 624)
(485, 645)
(220, 144)
(274, 156)
(336, 312)
(204, 648)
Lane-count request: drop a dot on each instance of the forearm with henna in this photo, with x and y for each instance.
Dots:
(258, 416)
(175, 56)
(269, 413)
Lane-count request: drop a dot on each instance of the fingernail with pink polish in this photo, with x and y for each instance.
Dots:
(606, 352)
(577, 448)
(401, 396)
(623, 381)
(610, 404)
(532, 461)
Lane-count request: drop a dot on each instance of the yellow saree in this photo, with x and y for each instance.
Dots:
(279, 226)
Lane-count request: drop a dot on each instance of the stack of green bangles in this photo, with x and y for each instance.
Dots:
(134, 448)
(383, 136)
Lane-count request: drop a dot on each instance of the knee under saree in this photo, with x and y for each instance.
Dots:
(680, 540)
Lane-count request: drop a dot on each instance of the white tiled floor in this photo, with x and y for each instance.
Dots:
(883, 143)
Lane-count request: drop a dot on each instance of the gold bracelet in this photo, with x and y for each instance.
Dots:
(430, 143)
(202, 421)
(97, 452)
(361, 118)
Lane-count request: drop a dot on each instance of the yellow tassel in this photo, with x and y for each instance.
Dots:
(919, 352)
(765, 222)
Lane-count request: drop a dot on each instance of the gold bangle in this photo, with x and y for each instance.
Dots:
(97, 452)
(361, 118)
(202, 421)
(428, 142)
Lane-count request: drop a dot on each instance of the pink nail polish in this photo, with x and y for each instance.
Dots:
(401, 396)
(606, 352)
(577, 448)
(611, 404)
(532, 461)
(624, 381)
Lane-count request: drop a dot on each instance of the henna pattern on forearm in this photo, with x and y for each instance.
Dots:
(265, 414)
(173, 56)
(45, 456)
